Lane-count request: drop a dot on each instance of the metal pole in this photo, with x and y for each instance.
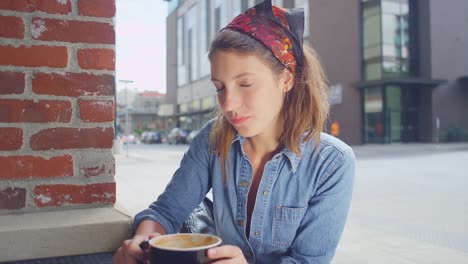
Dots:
(127, 123)
(126, 118)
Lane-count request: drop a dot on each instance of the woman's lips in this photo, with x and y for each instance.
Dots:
(239, 120)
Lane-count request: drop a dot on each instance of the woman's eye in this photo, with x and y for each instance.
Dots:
(220, 89)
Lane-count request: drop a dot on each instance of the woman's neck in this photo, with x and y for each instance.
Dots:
(267, 142)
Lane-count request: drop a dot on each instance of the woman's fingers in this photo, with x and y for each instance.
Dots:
(130, 251)
(226, 254)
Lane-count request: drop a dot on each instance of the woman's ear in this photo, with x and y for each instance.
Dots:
(286, 80)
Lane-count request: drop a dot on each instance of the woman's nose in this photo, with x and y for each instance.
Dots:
(229, 100)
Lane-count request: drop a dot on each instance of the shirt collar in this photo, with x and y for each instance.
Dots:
(293, 158)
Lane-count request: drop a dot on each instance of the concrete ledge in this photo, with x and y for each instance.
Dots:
(62, 233)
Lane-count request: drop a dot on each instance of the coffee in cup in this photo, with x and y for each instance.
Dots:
(187, 248)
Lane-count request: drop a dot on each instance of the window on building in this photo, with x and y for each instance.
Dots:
(244, 5)
(181, 65)
(277, 3)
(385, 38)
(393, 104)
(180, 41)
(236, 8)
(207, 23)
(208, 103)
(305, 5)
(373, 117)
(220, 15)
(217, 19)
(194, 105)
(205, 37)
(395, 37)
(183, 108)
(192, 34)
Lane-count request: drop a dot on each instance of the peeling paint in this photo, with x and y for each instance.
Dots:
(64, 23)
(20, 163)
(43, 199)
(47, 106)
(101, 103)
(37, 28)
(62, 2)
(108, 195)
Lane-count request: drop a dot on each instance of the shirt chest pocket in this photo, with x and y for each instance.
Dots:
(287, 220)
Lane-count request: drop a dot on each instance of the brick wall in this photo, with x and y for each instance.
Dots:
(57, 63)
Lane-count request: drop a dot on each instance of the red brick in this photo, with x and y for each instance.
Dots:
(96, 8)
(61, 194)
(48, 6)
(12, 198)
(98, 168)
(12, 82)
(11, 27)
(11, 138)
(73, 84)
(72, 138)
(72, 31)
(24, 167)
(96, 111)
(28, 111)
(34, 56)
(94, 171)
(97, 59)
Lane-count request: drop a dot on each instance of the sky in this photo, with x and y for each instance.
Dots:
(141, 44)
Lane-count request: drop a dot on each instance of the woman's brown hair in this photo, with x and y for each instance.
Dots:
(305, 108)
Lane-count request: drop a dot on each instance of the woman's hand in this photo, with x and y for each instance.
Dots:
(227, 255)
(130, 251)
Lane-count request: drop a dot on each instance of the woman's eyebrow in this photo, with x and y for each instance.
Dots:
(237, 76)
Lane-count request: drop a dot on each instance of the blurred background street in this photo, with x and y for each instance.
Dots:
(410, 202)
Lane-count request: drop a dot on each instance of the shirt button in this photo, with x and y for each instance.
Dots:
(240, 222)
(265, 193)
(257, 233)
(244, 183)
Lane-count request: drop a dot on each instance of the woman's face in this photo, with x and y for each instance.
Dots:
(249, 93)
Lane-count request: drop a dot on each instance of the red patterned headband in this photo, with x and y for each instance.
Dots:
(280, 30)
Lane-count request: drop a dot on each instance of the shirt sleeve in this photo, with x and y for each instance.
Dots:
(321, 228)
(187, 188)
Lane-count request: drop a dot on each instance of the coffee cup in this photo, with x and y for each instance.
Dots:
(188, 248)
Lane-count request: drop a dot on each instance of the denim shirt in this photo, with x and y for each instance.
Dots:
(300, 209)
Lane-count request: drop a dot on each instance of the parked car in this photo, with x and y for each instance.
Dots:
(191, 135)
(149, 137)
(177, 136)
(131, 139)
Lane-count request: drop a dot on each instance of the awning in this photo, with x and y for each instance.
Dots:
(411, 82)
(463, 81)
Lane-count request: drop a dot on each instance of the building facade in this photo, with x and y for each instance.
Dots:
(143, 112)
(397, 69)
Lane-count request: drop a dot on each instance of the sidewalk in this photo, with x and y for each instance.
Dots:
(399, 150)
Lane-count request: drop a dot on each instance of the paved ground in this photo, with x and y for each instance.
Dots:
(410, 202)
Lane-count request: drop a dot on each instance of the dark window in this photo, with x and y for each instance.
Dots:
(208, 24)
(244, 5)
(217, 19)
(190, 70)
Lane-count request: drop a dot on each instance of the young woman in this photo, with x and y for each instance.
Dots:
(281, 188)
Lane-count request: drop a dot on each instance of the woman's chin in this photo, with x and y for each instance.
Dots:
(245, 132)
